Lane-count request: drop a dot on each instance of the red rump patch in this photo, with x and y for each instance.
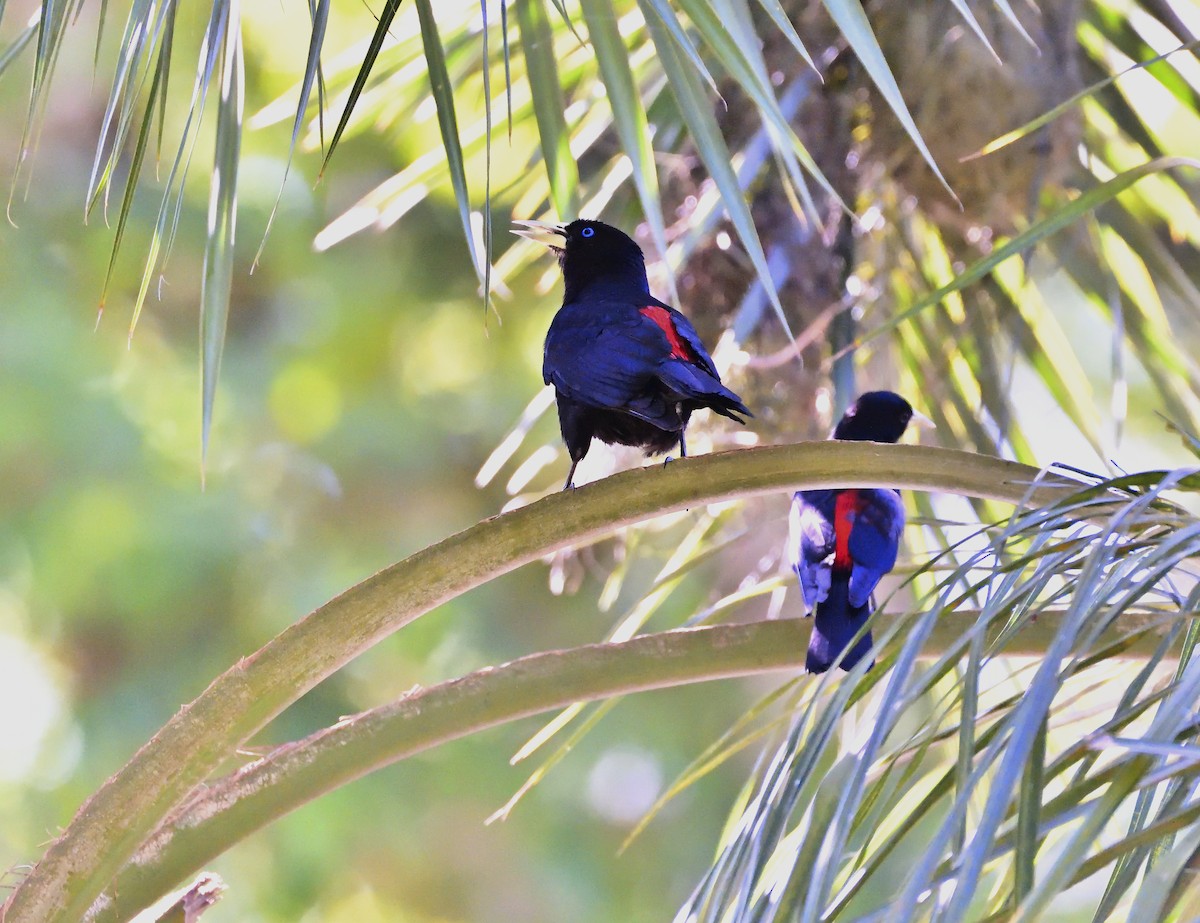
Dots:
(846, 507)
(662, 317)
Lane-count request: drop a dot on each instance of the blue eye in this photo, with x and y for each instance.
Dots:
(587, 232)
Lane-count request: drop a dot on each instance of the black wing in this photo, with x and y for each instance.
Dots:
(603, 354)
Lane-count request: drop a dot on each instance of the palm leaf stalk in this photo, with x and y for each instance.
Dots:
(122, 815)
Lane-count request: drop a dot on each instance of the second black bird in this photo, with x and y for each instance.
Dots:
(844, 541)
(626, 368)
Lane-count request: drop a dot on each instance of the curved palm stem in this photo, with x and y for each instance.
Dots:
(119, 817)
(293, 774)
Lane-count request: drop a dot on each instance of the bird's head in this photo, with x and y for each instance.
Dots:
(591, 252)
(878, 416)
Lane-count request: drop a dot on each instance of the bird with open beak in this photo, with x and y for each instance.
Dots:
(626, 368)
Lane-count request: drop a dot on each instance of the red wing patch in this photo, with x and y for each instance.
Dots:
(846, 508)
(662, 317)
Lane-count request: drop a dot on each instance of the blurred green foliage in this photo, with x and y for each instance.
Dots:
(361, 391)
(362, 388)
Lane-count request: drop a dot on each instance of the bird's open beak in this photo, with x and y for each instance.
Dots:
(538, 231)
(920, 421)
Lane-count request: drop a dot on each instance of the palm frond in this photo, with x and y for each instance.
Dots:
(222, 215)
(823, 162)
(136, 801)
(1006, 771)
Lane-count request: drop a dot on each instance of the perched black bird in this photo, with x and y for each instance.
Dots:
(626, 368)
(843, 541)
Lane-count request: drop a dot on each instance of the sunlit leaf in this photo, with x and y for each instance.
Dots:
(629, 114)
(1042, 229)
(1029, 808)
(386, 15)
(537, 44)
(749, 72)
(443, 93)
(706, 135)
(17, 45)
(222, 217)
(1051, 114)
(659, 12)
(779, 16)
(312, 71)
(135, 168)
(852, 20)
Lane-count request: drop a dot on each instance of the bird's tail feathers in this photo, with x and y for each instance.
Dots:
(835, 624)
(690, 381)
(657, 410)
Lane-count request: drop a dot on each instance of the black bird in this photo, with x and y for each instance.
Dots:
(626, 368)
(843, 541)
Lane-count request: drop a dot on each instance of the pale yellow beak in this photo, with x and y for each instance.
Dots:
(538, 231)
(920, 421)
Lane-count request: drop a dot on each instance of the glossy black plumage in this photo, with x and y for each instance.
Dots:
(626, 368)
(843, 541)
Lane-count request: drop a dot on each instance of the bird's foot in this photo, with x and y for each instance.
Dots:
(570, 485)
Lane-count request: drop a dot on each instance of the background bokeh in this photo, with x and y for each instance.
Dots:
(361, 392)
(363, 386)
